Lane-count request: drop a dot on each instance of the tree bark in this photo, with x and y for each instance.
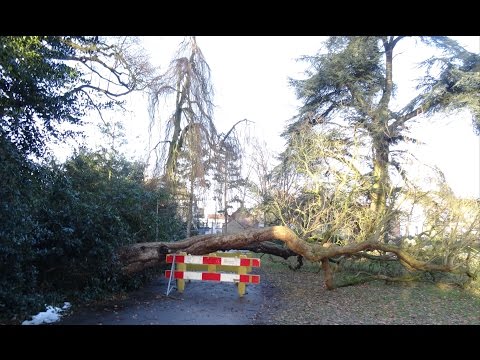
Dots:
(380, 142)
(140, 256)
(380, 175)
(173, 149)
(190, 201)
(327, 274)
(225, 183)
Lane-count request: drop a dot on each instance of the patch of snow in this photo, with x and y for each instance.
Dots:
(428, 247)
(52, 314)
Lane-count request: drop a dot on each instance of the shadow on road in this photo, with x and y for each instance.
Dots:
(202, 303)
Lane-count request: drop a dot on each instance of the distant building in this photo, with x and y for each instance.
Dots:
(200, 213)
(215, 223)
(241, 220)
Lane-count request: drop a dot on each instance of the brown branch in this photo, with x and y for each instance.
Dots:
(233, 127)
(375, 257)
(396, 40)
(298, 265)
(96, 88)
(95, 59)
(270, 248)
(94, 104)
(371, 277)
(403, 119)
(388, 86)
(328, 274)
(134, 256)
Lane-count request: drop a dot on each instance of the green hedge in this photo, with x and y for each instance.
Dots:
(61, 225)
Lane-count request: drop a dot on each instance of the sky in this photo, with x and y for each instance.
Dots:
(250, 78)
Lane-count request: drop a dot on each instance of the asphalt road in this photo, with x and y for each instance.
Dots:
(202, 303)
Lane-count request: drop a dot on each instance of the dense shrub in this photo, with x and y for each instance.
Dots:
(61, 225)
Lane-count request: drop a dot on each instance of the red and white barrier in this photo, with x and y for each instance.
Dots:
(236, 267)
(213, 260)
(213, 276)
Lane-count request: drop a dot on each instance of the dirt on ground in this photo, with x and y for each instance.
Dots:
(285, 297)
(300, 297)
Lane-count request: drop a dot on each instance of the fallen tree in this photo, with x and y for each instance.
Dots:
(142, 255)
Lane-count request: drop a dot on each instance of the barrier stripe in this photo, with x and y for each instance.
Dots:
(213, 260)
(212, 276)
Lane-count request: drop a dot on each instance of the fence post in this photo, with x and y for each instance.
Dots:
(181, 267)
(242, 270)
(212, 268)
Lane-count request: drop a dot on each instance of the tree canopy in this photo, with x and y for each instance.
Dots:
(351, 84)
(187, 80)
(50, 81)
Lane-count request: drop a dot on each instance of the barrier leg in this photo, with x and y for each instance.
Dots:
(181, 267)
(242, 270)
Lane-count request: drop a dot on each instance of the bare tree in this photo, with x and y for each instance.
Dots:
(227, 167)
(449, 225)
(320, 191)
(260, 183)
(187, 83)
(193, 166)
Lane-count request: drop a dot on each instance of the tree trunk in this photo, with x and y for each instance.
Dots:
(380, 176)
(327, 274)
(225, 213)
(170, 166)
(175, 145)
(190, 202)
(140, 256)
(380, 143)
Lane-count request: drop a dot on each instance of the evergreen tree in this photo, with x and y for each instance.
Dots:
(228, 175)
(352, 85)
